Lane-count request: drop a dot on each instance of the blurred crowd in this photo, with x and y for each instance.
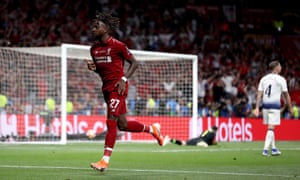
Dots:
(233, 49)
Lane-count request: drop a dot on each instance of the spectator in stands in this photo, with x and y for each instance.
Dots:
(9, 108)
(85, 103)
(251, 93)
(218, 88)
(225, 108)
(69, 107)
(132, 96)
(99, 107)
(197, 33)
(48, 113)
(184, 108)
(3, 102)
(286, 114)
(172, 106)
(184, 86)
(161, 103)
(203, 110)
(229, 78)
(203, 83)
(296, 110)
(169, 85)
(150, 105)
(242, 108)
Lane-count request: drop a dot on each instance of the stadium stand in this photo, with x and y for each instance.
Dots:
(238, 36)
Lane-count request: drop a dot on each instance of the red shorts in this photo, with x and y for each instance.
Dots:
(116, 103)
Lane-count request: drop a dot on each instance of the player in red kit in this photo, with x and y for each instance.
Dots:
(108, 58)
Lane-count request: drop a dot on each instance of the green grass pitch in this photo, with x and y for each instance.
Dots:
(148, 161)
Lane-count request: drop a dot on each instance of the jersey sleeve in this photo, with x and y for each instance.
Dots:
(283, 85)
(260, 87)
(125, 51)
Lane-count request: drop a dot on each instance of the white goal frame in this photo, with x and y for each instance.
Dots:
(81, 52)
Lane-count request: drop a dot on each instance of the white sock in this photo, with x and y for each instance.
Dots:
(269, 138)
(106, 158)
(273, 141)
(151, 129)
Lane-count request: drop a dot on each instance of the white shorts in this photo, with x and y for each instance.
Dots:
(271, 116)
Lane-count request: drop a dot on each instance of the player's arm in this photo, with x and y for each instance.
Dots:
(133, 65)
(258, 100)
(286, 96)
(90, 63)
(121, 84)
(288, 101)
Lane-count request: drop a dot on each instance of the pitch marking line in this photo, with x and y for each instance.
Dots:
(200, 149)
(155, 171)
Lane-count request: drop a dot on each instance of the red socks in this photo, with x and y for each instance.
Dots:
(110, 138)
(134, 126)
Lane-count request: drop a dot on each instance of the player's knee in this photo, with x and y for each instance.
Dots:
(271, 127)
(122, 127)
(122, 123)
(112, 117)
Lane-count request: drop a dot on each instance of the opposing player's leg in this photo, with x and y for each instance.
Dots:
(276, 121)
(268, 141)
(271, 118)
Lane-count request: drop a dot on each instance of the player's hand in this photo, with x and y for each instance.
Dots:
(256, 112)
(121, 85)
(91, 65)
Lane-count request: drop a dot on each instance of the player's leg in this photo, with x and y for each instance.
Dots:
(135, 126)
(271, 118)
(177, 141)
(269, 133)
(275, 116)
(131, 126)
(110, 138)
(268, 140)
(193, 141)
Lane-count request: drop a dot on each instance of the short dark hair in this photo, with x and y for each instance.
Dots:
(273, 64)
(107, 18)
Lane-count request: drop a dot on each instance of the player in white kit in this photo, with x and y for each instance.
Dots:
(270, 88)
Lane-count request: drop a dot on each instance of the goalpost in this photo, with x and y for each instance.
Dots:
(47, 94)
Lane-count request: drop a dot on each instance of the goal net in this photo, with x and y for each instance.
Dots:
(47, 95)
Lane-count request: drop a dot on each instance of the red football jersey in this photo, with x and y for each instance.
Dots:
(109, 58)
